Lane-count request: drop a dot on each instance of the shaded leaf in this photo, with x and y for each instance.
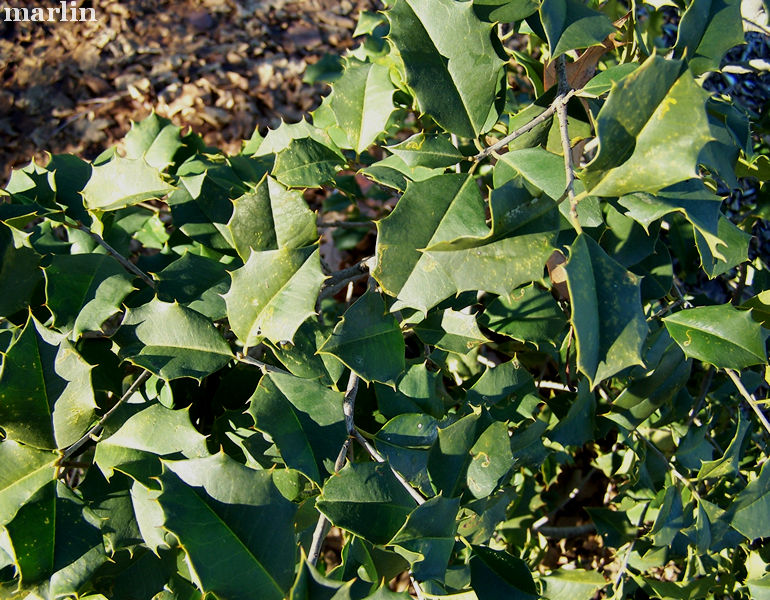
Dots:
(451, 330)
(84, 290)
(496, 574)
(303, 418)
(46, 398)
(366, 499)
(571, 25)
(226, 514)
(708, 29)
(172, 341)
(610, 327)
(751, 507)
(429, 532)
(368, 341)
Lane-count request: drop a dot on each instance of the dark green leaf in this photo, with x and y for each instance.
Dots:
(491, 460)
(369, 341)
(46, 398)
(454, 81)
(25, 470)
(304, 419)
(719, 335)
(306, 163)
(366, 499)
(84, 290)
(432, 151)
(571, 25)
(708, 29)
(172, 341)
(496, 574)
(230, 520)
(610, 327)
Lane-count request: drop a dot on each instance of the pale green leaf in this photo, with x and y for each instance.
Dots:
(122, 182)
(273, 294)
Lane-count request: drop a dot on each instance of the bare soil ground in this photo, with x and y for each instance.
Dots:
(222, 67)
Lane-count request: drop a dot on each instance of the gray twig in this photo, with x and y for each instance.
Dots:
(262, 366)
(127, 264)
(561, 112)
(97, 429)
(752, 401)
(541, 118)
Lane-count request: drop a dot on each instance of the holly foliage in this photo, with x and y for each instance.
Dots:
(485, 302)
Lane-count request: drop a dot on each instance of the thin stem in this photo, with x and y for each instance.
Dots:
(417, 589)
(338, 280)
(752, 401)
(262, 366)
(348, 408)
(97, 429)
(566, 532)
(381, 459)
(561, 113)
(541, 118)
(127, 264)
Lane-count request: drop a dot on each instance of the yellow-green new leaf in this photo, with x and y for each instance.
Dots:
(273, 293)
(643, 146)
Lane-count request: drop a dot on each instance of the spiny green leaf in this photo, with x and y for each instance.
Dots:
(223, 513)
(84, 290)
(172, 341)
(156, 139)
(306, 163)
(571, 25)
(708, 29)
(572, 584)
(196, 282)
(369, 341)
(404, 441)
(719, 335)
(455, 83)
(610, 327)
(751, 507)
(25, 470)
(727, 465)
(46, 398)
(643, 146)
(362, 102)
(432, 151)
(53, 540)
(271, 217)
(366, 499)
(451, 330)
(491, 460)
(152, 429)
(429, 532)
(20, 272)
(122, 182)
(303, 418)
(450, 455)
(394, 173)
(273, 293)
(497, 574)
(528, 314)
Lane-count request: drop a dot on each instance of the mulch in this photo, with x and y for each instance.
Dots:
(222, 67)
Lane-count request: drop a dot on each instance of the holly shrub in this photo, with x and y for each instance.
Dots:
(481, 314)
